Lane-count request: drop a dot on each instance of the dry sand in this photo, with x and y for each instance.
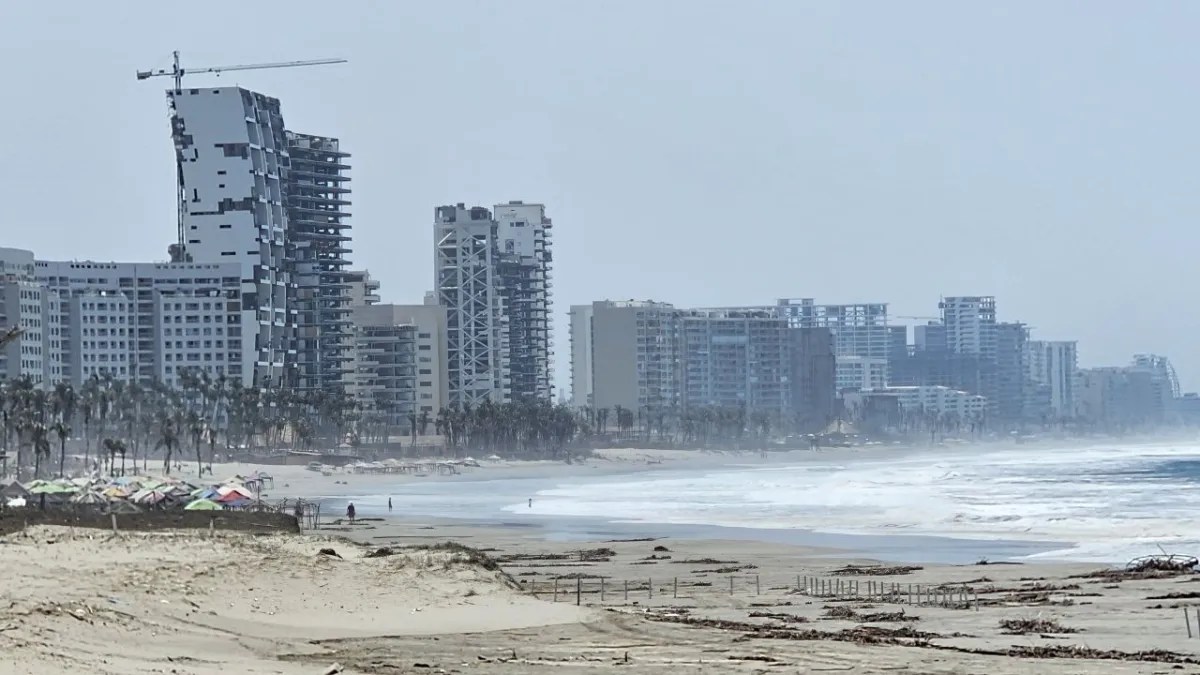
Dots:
(88, 601)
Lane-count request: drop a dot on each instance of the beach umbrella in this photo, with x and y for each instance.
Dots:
(51, 489)
(202, 505)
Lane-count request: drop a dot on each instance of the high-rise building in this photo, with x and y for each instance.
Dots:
(735, 357)
(580, 317)
(492, 276)
(524, 274)
(232, 156)
(1054, 366)
(148, 321)
(316, 194)
(813, 379)
(970, 324)
(24, 306)
(466, 281)
(859, 330)
(635, 355)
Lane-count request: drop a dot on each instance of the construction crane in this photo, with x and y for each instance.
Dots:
(177, 72)
(178, 250)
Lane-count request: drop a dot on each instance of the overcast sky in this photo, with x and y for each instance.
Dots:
(688, 151)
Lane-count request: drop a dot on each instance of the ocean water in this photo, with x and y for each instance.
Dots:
(1107, 503)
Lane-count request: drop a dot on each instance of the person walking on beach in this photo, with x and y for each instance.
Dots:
(350, 511)
(389, 503)
(531, 502)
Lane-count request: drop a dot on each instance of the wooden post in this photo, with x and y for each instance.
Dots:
(802, 589)
(757, 586)
(556, 589)
(1187, 622)
(731, 584)
(675, 592)
(650, 584)
(114, 522)
(212, 527)
(626, 590)
(601, 589)
(578, 590)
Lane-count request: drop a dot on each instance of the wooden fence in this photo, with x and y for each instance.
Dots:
(580, 589)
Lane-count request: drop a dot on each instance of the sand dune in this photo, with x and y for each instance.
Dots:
(86, 601)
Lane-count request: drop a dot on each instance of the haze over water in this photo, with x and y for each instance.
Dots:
(1113, 502)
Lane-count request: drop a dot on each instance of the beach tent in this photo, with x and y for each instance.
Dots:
(202, 505)
(226, 490)
(52, 489)
(13, 490)
(94, 498)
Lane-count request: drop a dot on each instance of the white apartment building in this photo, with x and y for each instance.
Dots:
(104, 346)
(25, 304)
(232, 155)
(1054, 365)
(970, 325)
(940, 400)
(169, 316)
(860, 373)
(581, 355)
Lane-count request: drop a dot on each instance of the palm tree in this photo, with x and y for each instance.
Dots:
(60, 427)
(168, 439)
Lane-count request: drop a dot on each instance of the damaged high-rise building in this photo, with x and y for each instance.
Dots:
(254, 193)
(492, 275)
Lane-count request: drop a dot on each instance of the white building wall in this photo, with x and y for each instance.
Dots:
(938, 399)
(1054, 364)
(970, 324)
(24, 304)
(859, 373)
(105, 332)
(146, 287)
(581, 355)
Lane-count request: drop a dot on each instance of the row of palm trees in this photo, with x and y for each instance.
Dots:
(131, 421)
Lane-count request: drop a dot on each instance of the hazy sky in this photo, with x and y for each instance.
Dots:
(695, 152)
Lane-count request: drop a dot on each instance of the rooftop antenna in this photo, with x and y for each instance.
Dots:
(179, 250)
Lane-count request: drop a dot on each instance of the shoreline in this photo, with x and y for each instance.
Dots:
(489, 496)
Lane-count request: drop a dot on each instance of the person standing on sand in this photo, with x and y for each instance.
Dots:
(531, 502)
(389, 503)
(350, 511)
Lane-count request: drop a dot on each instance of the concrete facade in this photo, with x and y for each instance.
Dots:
(232, 158)
(1054, 366)
(175, 316)
(634, 352)
(580, 318)
(317, 194)
(735, 358)
(466, 282)
(523, 236)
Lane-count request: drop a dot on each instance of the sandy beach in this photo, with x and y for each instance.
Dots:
(393, 598)
(87, 600)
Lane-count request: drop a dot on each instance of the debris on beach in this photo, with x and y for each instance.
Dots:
(778, 616)
(1147, 567)
(1036, 626)
(329, 552)
(849, 614)
(380, 553)
(875, 570)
